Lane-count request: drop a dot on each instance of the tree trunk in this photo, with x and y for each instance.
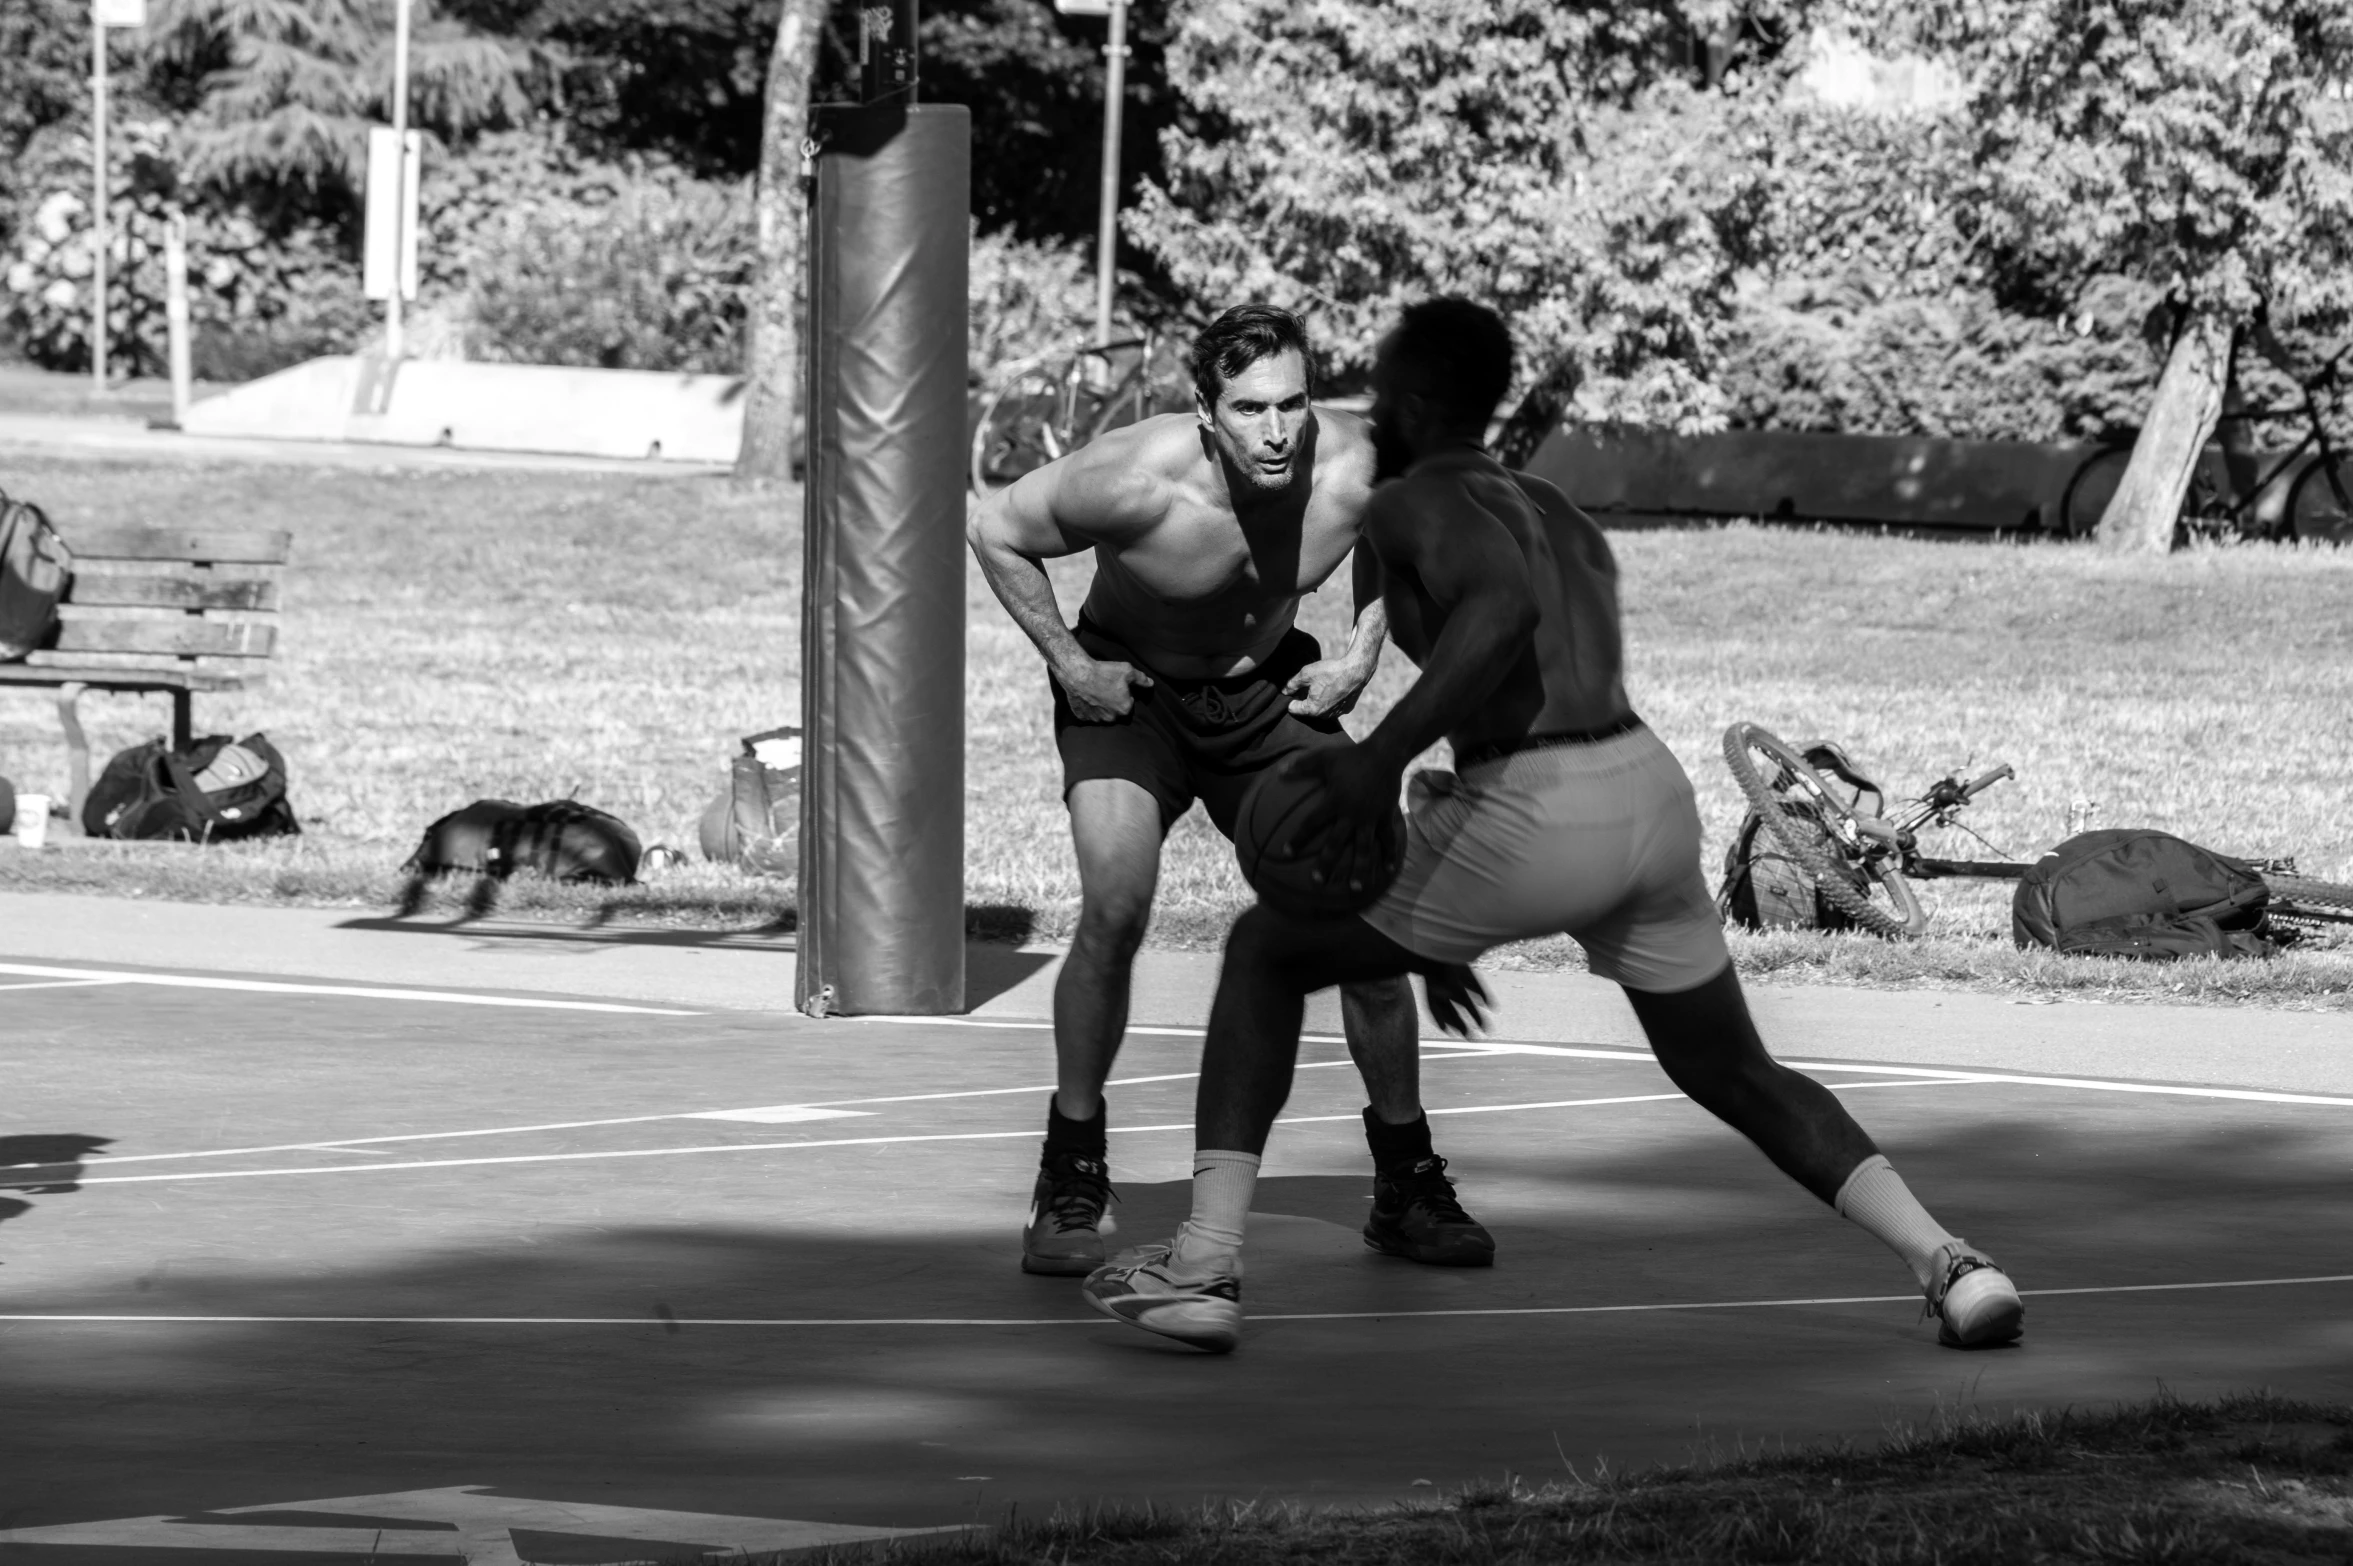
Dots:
(2147, 504)
(772, 328)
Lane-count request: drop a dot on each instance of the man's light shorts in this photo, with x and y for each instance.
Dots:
(1599, 841)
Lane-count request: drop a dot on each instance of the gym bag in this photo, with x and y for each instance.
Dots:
(1764, 888)
(757, 822)
(216, 790)
(35, 567)
(2131, 892)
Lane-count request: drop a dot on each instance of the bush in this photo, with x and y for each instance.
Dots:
(258, 299)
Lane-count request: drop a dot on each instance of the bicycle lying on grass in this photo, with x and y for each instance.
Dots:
(1865, 864)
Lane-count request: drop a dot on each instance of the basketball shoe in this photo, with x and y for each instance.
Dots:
(1416, 1216)
(1974, 1302)
(1065, 1234)
(1144, 1289)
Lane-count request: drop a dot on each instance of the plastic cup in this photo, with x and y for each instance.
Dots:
(32, 820)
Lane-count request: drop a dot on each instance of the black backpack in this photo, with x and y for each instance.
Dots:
(2131, 892)
(216, 790)
(562, 839)
(35, 567)
(1764, 888)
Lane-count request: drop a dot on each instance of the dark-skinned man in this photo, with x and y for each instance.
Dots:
(1565, 814)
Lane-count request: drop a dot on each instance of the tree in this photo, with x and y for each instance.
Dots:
(2201, 146)
(281, 93)
(1345, 156)
(773, 347)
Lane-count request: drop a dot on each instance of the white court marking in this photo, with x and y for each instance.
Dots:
(184, 981)
(667, 1323)
(860, 1141)
(61, 984)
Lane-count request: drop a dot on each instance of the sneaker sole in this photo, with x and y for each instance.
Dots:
(1060, 1266)
(1469, 1253)
(1993, 1315)
(1213, 1326)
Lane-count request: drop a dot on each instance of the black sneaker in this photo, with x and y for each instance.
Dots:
(1416, 1216)
(1065, 1234)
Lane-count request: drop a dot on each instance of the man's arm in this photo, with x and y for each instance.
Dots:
(1059, 509)
(1475, 576)
(1331, 685)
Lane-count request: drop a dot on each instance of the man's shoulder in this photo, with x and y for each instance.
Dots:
(1128, 478)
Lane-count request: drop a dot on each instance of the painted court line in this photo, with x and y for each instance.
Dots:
(360, 992)
(859, 1141)
(1656, 1307)
(823, 1110)
(61, 984)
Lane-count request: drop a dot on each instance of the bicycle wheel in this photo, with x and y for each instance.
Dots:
(1785, 792)
(2301, 897)
(2089, 492)
(2321, 505)
(1018, 430)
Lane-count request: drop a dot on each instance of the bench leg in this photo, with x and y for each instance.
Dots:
(77, 748)
(182, 724)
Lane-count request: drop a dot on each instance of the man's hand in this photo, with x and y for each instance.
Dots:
(1328, 687)
(1458, 1001)
(1100, 690)
(1359, 792)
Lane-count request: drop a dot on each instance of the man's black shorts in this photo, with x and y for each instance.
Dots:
(1193, 739)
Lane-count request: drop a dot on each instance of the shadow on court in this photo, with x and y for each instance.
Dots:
(649, 1402)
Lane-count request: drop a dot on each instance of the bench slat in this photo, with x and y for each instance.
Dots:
(258, 546)
(181, 637)
(48, 669)
(189, 589)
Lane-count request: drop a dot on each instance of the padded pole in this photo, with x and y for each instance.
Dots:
(882, 634)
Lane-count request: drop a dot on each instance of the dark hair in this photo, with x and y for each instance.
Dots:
(1240, 338)
(1456, 352)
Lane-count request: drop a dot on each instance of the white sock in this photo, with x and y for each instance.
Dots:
(1876, 1197)
(1211, 1240)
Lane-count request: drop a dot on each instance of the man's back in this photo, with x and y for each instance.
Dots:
(1572, 678)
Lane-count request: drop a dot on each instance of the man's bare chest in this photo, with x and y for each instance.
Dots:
(1200, 556)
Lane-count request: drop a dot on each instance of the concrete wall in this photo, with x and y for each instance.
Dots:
(487, 407)
(1907, 480)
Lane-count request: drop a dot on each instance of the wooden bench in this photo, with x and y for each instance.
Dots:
(177, 610)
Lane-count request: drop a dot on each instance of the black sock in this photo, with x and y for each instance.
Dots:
(1394, 1145)
(1082, 1137)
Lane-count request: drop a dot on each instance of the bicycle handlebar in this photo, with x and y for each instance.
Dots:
(2005, 770)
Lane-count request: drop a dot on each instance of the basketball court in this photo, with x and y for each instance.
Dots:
(295, 1268)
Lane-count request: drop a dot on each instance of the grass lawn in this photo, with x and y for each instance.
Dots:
(2243, 1480)
(451, 635)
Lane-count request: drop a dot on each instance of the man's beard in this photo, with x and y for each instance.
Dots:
(1391, 457)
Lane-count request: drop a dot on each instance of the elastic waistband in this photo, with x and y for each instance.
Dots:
(1229, 683)
(1498, 750)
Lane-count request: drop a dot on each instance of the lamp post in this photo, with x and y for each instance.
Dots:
(1114, 100)
(400, 142)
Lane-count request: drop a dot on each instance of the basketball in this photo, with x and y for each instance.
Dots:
(1284, 871)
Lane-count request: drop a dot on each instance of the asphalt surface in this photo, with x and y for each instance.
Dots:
(441, 1267)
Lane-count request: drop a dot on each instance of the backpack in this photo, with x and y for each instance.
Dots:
(562, 839)
(757, 822)
(35, 567)
(2131, 892)
(216, 790)
(1764, 888)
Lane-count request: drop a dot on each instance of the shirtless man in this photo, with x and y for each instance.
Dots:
(1567, 815)
(1185, 679)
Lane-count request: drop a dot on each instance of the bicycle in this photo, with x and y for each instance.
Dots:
(1051, 404)
(1849, 854)
(2319, 498)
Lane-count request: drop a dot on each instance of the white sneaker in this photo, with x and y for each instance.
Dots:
(1141, 1288)
(1974, 1302)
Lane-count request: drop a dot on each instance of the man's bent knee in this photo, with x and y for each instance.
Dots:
(1112, 928)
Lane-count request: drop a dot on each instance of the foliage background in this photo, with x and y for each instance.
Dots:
(1686, 226)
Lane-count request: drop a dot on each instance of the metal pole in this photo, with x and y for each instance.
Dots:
(98, 237)
(400, 141)
(1107, 238)
(175, 311)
